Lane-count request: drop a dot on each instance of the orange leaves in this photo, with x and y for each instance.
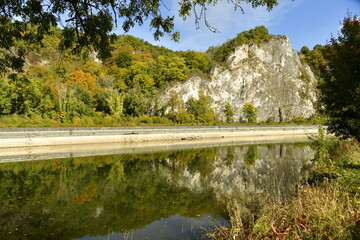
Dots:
(85, 79)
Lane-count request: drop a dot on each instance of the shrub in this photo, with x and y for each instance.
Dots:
(229, 113)
(250, 112)
(182, 117)
(202, 109)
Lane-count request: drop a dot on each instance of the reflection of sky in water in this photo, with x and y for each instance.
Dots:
(159, 195)
(174, 227)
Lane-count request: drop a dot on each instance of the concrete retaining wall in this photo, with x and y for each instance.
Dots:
(10, 138)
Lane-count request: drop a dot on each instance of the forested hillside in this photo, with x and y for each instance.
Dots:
(66, 87)
(59, 87)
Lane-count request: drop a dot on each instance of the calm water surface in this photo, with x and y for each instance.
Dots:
(166, 195)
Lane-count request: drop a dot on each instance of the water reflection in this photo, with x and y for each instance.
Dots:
(175, 193)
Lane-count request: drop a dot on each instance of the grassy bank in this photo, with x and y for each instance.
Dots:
(101, 120)
(325, 207)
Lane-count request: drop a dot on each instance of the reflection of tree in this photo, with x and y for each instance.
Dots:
(230, 156)
(130, 189)
(126, 192)
(203, 162)
(251, 156)
(63, 192)
(116, 176)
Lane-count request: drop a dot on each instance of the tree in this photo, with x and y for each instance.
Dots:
(26, 95)
(134, 103)
(5, 100)
(170, 69)
(258, 34)
(229, 113)
(315, 58)
(201, 109)
(305, 50)
(340, 89)
(175, 103)
(196, 60)
(250, 112)
(85, 79)
(89, 23)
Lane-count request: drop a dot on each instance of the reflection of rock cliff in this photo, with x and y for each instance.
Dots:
(270, 75)
(274, 170)
(77, 197)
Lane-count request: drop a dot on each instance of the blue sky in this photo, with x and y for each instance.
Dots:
(305, 22)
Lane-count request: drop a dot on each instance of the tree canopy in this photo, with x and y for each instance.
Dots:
(340, 88)
(89, 23)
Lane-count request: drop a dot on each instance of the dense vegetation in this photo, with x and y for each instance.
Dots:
(257, 35)
(59, 87)
(63, 87)
(337, 66)
(88, 24)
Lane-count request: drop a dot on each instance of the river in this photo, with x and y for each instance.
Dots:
(177, 193)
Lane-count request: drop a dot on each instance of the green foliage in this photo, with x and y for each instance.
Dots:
(315, 58)
(229, 113)
(305, 50)
(175, 103)
(201, 109)
(250, 112)
(321, 146)
(67, 87)
(134, 103)
(258, 35)
(26, 95)
(123, 59)
(340, 89)
(170, 69)
(182, 117)
(77, 102)
(251, 156)
(196, 61)
(299, 120)
(5, 101)
(88, 23)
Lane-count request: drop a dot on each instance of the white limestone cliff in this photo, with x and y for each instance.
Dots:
(270, 75)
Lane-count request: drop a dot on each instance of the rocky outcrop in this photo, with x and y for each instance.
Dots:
(269, 75)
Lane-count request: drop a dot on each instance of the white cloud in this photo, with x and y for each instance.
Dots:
(223, 17)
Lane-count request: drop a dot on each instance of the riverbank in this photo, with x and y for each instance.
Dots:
(325, 207)
(39, 137)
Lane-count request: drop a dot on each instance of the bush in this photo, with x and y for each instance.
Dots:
(202, 109)
(258, 35)
(250, 112)
(229, 113)
(182, 117)
(299, 120)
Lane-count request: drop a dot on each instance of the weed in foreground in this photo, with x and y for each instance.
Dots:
(327, 209)
(323, 212)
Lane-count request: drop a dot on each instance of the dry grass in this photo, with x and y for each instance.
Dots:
(327, 209)
(315, 213)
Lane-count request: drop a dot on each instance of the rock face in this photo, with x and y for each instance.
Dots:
(269, 75)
